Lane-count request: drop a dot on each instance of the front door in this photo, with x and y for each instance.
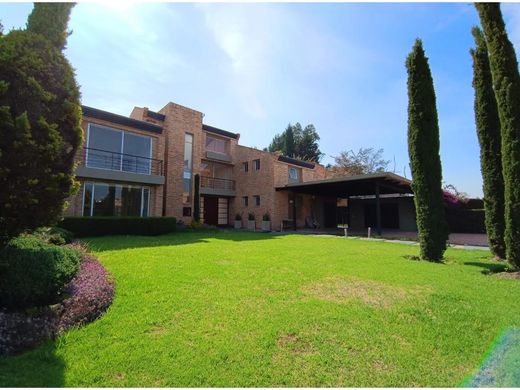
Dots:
(329, 214)
(211, 210)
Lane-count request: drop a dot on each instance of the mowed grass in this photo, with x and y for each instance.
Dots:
(246, 309)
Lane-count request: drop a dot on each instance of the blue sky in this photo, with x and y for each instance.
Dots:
(253, 68)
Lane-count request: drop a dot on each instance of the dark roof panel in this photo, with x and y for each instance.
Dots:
(294, 161)
(156, 115)
(120, 120)
(224, 133)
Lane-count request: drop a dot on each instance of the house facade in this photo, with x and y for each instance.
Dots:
(145, 165)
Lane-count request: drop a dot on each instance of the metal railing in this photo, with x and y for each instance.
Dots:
(104, 159)
(216, 183)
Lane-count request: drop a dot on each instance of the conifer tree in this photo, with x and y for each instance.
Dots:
(40, 130)
(488, 131)
(51, 20)
(423, 148)
(506, 82)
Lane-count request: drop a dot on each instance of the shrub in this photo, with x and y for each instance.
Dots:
(34, 273)
(104, 226)
(54, 235)
(250, 217)
(266, 217)
(238, 217)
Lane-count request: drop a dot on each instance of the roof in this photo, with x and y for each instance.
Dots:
(343, 186)
(155, 115)
(224, 133)
(120, 119)
(294, 161)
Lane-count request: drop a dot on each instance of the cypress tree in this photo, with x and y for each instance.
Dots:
(50, 20)
(423, 148)
(488, 131)
(40, 117)
(289, 141)
(506, 81)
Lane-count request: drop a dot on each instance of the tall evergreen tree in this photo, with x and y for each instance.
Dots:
(506, 81)
(423, 148)
(40, 131)
(51, 20)
(289, 141)
(488, 131)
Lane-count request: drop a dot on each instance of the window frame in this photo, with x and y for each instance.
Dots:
(245, 166)
(257, 200)
(256, 164)
(245, 201)
(142, 206)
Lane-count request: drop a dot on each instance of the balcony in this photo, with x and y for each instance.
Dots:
(217, 186)
(107, 165)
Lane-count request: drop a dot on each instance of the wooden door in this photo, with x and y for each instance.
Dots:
(211, 210)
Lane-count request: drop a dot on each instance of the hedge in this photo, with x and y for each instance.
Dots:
(463, 220)
(34, 273)
(105, 226)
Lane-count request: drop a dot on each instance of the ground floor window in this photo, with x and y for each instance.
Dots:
(121, 200)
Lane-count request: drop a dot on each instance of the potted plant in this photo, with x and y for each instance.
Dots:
(238, 221)
(266, 223)
(251, 225)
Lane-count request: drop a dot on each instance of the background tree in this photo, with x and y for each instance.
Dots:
(423, 148)
(365, 160)
(488, 131)
(304, 144)
(506, 81)
(40, 131)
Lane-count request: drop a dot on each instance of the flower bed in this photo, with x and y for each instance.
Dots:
(90, 294)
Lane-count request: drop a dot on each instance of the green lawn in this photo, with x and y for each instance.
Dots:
(246, 309)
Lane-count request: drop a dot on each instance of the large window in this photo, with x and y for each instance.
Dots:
(124, 200)
(216, 144)
(188, 167)
(118, 150)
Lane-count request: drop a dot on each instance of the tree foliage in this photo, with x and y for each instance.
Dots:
(488, 131)
(423, 148)
(365, 160)
(506, 82)
(50, 20)
(40, 132)
(297, 142)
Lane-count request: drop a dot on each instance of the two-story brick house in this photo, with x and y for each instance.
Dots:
(144, 165)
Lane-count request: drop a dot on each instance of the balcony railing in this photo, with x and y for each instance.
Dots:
(216, 183)
(104, 159)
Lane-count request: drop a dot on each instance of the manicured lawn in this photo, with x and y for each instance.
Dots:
(245, 309)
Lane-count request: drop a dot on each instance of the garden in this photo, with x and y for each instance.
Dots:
(251, 309)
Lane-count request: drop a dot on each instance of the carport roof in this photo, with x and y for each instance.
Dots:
(344, 186)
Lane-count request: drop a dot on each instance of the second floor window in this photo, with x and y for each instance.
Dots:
(245, 166)
(245, 201)
(293, 175)
(118, 150)
(217, 145)
(257, 200)
(256, 164)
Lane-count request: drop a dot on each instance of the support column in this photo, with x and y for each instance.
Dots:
(294, 211)
(378, 211)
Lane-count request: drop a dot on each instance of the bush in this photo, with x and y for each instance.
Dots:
(104, 226)
(54, 235)
(34, 273)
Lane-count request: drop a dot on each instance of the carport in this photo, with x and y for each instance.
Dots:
(374, 184)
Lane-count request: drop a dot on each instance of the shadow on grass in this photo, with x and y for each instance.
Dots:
(109, 243)
(488, 268)
(40, 367)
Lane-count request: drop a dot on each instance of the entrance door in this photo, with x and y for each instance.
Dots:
(211, 210)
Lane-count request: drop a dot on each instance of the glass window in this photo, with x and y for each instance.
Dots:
(188, 164)
(104, 148)
(293, 175)
(118, 150)
(101, 199)
(257, 200)
(215, 144)
(256, 164)
(245, 166)
(137, 152)
(87, 200)
(246, 201)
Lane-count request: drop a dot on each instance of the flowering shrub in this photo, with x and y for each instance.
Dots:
(89, 295)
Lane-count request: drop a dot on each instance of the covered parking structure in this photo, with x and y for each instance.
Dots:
(344, 187)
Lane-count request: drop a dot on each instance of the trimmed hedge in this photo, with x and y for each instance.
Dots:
(463, 220)
(105, 226)
(34, 273)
